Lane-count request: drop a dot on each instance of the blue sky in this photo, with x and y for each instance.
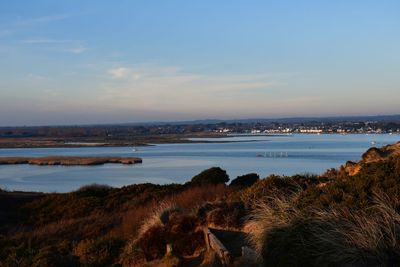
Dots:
(77, 62)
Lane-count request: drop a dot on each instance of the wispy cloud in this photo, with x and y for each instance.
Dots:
(49, 41)
(168, 88)
(120, 72)
(77, 49)
(4, 33)
(37, 77)
(70, 46)
(43, 19)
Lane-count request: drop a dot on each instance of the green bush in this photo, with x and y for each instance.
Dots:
(356, 191)
(214, 175)
(245, 180)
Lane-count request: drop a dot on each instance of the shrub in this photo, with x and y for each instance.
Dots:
(150, 241)
(50, 256)
(223, 214)
(183, 233)
(356, 191)
(245, 180)
(159, 216)
(94, 190)
(135, 216)
(195, 196)
(269, 187)
(214, 175)
(98, 252)
(14, 253)
(150, 245)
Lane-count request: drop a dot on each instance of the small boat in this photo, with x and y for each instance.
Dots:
(134, 149)
(373, 142)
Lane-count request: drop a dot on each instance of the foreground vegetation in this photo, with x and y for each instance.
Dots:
(335, 219)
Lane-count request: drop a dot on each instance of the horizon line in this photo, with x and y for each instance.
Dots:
(203, 121)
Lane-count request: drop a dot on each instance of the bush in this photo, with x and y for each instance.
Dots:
(223, 214)
(51, 256)
(94, 190)
(14, 253)
(214, 175)
(98, 252)
(150, 245)
(271, 186)
(245, 180)
(183, 233)
(356, 191)
(136, 215)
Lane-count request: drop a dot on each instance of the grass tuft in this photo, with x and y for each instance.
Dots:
(285, 236)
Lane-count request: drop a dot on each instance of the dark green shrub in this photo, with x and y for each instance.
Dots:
(214, 175)
(94, 190)
(245, 180)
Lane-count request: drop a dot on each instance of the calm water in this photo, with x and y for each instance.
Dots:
(177, 163)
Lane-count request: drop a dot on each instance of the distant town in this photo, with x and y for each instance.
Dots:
(161, 132)
(368, 127)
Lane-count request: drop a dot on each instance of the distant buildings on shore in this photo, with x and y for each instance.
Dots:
(334, 129)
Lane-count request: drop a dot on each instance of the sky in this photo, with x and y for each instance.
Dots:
(90, 62)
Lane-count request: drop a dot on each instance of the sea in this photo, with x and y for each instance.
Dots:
(178, 163)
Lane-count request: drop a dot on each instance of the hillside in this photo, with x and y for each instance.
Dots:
(335, 219)
(373, 155)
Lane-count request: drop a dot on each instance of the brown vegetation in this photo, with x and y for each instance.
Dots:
(373, 155)
(287, 236)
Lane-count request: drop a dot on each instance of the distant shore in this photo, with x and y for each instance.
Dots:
(6, 143)
(139, 141)
(69, 160)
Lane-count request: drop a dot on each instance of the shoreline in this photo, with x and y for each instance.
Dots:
(14, 143)
(69, 160)
(91, 144)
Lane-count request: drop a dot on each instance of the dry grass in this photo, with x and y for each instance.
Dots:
(159, 216)
(157, 223)
(194, 197)
(285, 236)
(136, 217)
